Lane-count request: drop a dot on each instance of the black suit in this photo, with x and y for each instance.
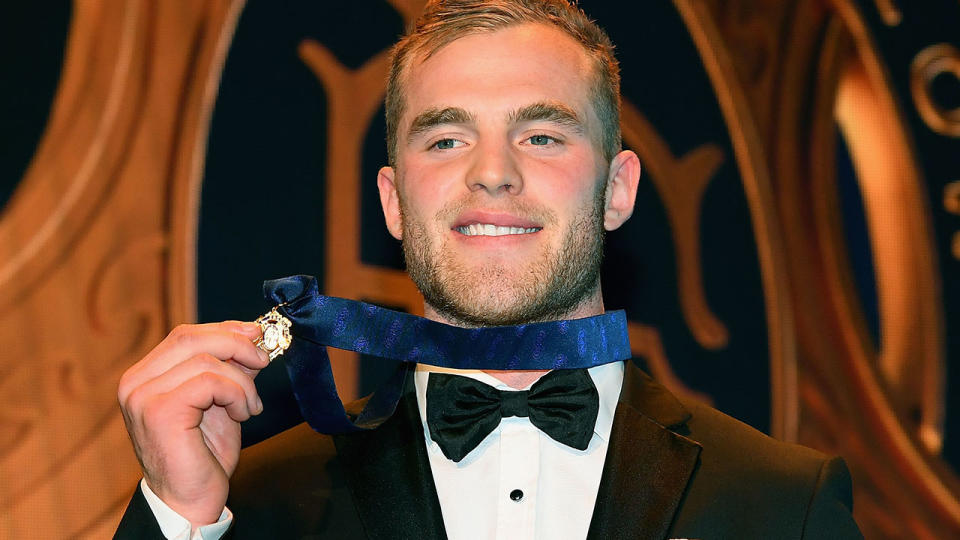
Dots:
(672, 471)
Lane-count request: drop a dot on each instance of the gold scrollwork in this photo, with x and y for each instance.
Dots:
(681, 182)
(889, 11)
(930, 63)
(951, 203)
(951, 197)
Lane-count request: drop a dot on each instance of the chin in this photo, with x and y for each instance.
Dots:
(488, 306)
(505, 306)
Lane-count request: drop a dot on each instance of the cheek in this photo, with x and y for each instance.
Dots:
(421, 206)
(427, 185)
(566, 185)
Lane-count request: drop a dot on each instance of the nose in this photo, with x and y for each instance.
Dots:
(495, 170)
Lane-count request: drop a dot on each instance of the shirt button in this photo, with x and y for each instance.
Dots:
(516, 495)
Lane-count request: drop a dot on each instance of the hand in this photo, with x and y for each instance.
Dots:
(183, 404)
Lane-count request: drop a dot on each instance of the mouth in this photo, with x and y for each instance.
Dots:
(479, 223)
(489, 229)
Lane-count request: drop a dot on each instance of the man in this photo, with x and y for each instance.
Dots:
(506, 168)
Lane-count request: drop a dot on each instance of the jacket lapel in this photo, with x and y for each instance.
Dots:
(648, 464)
(389, 475)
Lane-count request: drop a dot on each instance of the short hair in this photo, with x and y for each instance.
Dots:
(444, 21)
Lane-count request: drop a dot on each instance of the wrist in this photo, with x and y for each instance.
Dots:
(174, 526)
(199, 512)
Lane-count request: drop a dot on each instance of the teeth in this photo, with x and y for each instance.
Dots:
(486, 229)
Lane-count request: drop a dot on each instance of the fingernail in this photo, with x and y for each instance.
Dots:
(259, 408)
(251, 328)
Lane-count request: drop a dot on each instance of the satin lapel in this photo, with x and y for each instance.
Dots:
(647, 467)
(389, 476)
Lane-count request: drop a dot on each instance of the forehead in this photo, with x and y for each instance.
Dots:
(498, 71)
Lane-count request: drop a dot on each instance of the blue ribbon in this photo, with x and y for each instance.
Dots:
(323, 321)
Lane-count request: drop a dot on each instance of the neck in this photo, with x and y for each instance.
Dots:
(589, 307)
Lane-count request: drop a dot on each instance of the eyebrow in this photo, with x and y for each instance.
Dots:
(545, 111)
(432, 118)
(556, 113)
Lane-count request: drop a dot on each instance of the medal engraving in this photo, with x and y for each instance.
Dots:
(276, 336)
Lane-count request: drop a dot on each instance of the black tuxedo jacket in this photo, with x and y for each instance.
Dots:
(672, 470)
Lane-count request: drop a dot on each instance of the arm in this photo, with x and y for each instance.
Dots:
(830, 514)
(182, 405)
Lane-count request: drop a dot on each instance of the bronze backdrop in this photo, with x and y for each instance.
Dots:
(793, 259)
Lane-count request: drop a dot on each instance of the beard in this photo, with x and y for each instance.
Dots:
(500, 293)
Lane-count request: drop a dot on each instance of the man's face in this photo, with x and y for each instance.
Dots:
(500, 181)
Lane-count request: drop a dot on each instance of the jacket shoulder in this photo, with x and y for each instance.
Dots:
(289, 485)
(753, 483)
(737, 444)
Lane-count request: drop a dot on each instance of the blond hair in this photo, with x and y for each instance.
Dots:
(444, 21)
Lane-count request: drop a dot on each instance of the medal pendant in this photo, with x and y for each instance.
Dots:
(275, 333)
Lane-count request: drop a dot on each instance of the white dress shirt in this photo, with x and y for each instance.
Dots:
(559, 484)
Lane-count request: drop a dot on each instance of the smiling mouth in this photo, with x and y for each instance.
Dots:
(486, 229)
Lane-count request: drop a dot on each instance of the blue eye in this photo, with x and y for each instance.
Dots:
(541, 140)
(445, 144)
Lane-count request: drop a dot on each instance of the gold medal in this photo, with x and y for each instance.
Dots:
(275, 333)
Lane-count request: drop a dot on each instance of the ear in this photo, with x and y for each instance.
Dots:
(390, 201)
(622, 180)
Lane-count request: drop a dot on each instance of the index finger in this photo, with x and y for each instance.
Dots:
(230, 340)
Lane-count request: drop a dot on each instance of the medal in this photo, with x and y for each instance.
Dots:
(275, 333)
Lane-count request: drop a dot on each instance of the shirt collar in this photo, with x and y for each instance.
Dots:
(608, 378)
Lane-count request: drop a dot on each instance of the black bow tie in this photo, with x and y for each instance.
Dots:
(461, 411)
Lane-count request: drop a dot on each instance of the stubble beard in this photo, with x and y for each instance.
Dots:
(548, 288)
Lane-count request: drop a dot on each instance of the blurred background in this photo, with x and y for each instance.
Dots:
(793, 258)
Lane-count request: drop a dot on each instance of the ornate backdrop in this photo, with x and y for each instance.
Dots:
(793, 259)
